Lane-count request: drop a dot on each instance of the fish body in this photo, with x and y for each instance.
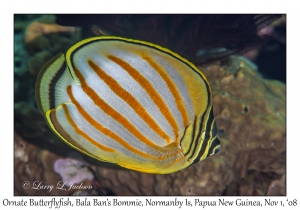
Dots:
(129, 102)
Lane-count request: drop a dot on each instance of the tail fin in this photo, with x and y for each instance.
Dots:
(50, 88)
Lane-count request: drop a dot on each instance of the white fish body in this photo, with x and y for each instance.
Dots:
(129, 102)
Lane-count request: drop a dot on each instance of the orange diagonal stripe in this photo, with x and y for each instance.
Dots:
(111, 112)
(157, 99)
(129, 99)
(171, 86)
(83, 134)
(102, 129)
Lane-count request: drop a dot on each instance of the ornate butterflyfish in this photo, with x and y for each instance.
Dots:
(129, 102)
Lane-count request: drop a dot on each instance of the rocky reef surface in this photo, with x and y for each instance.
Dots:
(249, 110)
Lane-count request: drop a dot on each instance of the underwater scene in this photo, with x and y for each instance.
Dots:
(177, 104)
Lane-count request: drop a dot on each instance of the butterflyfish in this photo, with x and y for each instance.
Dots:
(129, 102)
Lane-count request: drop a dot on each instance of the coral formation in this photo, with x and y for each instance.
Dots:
(36, 29)
(73, 169)
(44, 39)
